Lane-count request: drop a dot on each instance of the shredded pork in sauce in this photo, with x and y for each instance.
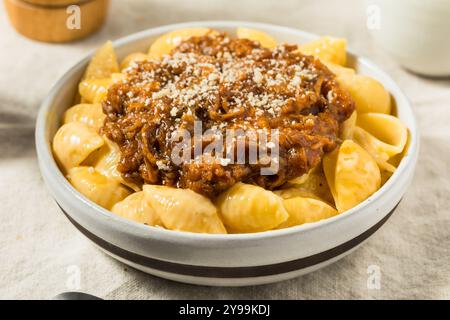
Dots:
(226, 83)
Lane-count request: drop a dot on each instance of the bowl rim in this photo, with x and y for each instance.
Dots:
(46, 159)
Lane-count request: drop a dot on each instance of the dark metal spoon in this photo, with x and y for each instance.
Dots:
(75, 296)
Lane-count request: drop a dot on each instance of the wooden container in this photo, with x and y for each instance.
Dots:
(56, 20)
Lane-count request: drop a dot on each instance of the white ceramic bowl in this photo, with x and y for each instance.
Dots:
(221, 260)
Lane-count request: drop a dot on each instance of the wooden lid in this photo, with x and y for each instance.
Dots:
(53, 23)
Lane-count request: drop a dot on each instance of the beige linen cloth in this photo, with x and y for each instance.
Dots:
(41, 252)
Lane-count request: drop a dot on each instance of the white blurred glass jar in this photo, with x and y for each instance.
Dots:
(415, 32)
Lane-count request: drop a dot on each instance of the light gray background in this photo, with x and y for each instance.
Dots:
(38, 245)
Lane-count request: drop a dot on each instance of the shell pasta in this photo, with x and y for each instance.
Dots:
(97, 187)
(109, 153)
(89, 114)
(105, 161)
(74, 142)
(303, 210)
(184, 210)
(248, 208)
(352, 175)
(136, 207)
